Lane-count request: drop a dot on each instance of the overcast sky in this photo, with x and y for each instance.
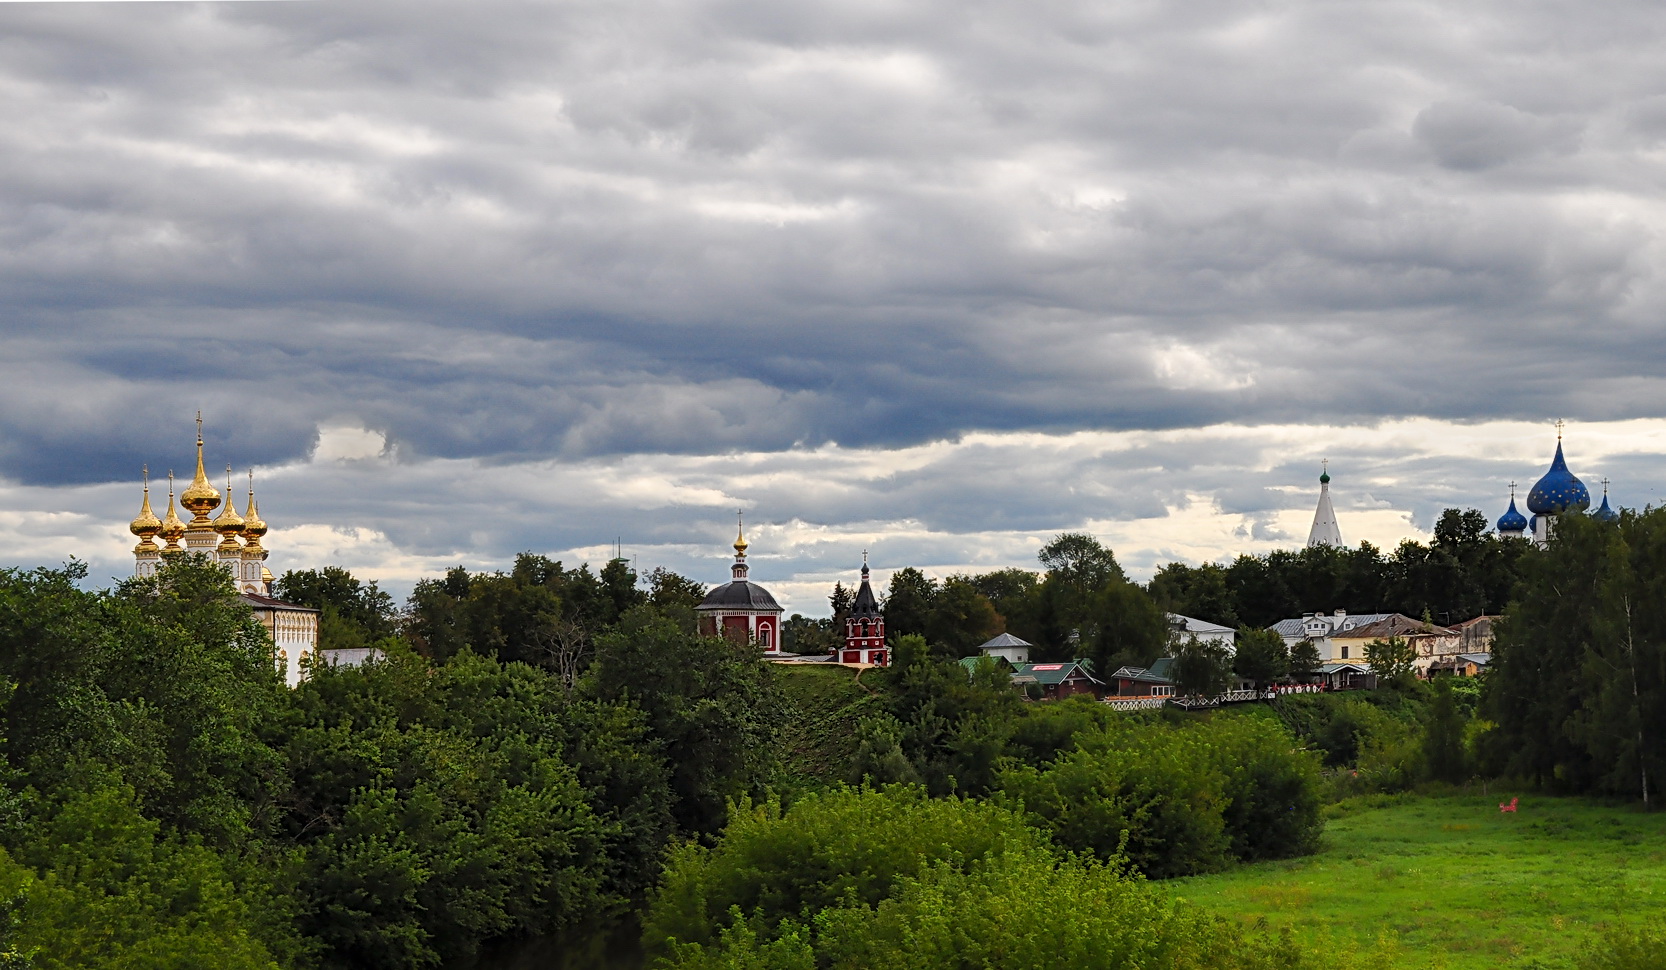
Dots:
(938, 280)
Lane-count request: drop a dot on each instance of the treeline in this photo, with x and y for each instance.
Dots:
(550, 748)
(1467, 570)
(167, 802)
(1577, 686)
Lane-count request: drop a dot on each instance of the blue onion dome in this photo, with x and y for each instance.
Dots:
(1512, 521)
(1605, 513)
(1533, 525)
(1558, 491)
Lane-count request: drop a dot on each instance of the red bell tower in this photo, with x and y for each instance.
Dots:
(865, 627)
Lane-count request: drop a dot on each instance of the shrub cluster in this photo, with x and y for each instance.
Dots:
(859, 878)
(1176, 799)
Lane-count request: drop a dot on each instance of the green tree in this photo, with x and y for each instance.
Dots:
(161, 682)
(1305, 660)
(1123, 626)
(1260, 656)
(961, 618)
(354, 613)
(1443, 744)
(711, 705)
(908, 602)
(1080, 561)
(1204, 592)
(1393, 660)
(668, 590)
(1202, 668)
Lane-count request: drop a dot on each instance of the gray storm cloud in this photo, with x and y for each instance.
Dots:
(519, 233)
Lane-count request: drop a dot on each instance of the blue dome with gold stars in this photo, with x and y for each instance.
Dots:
(1512, 521)
(1559, 490)
(1605, 513)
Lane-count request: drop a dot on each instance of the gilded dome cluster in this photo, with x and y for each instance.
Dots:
(199, 498)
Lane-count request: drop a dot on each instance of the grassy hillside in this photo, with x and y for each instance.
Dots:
(1458, 884)
(824, 704)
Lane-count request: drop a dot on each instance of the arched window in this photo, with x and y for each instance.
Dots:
(763, 637)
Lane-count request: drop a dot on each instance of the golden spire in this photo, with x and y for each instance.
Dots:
(200, 498)
(147, 524)
(253, 527)
(740, 537)
(228, 523)
(172, 528)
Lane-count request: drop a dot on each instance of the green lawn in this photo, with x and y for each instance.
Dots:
(1458, 884)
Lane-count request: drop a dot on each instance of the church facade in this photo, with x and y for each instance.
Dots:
(740, 609)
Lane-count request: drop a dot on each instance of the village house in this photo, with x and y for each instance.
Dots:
(1427, 640)
(1182, 627)
(1008, 647)
(1322, 629)
(1150, 681)
(1052, 681)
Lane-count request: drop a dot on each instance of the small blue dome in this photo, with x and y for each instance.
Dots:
(1558, 491)
(1533, 525)
(1605, 514)
(1512, 522)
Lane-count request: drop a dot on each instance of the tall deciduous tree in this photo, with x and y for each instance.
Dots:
(1577, 685)
(1261, 656)
(1393, 660)
(1202, 668)
(908, 602)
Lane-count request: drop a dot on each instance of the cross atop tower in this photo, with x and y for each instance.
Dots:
(1559, 424)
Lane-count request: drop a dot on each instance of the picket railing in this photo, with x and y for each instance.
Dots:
(1135, 703)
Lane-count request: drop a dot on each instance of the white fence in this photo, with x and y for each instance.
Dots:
(1189, 703)
(1135, 703)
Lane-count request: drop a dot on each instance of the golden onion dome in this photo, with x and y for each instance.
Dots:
(228, 523)
(740, 540)
(146, 524)
(199, 498)
(172, 528)
(253, 525)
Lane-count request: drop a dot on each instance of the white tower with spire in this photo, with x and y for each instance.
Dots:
(1325, 531)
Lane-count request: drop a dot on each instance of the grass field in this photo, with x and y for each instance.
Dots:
(1456, 883)
(824, 703)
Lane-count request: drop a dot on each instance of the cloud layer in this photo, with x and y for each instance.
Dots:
(613, 249)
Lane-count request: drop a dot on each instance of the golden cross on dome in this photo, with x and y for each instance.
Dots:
(199, 427)
(1559, 424)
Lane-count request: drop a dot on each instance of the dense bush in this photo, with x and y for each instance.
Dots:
(1174, 799)
(102, 886)
(888, 880)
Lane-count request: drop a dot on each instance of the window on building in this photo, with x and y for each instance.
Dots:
(763, 637)
(1344, 653)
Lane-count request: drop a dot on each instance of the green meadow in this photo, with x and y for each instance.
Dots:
(1450, 882)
